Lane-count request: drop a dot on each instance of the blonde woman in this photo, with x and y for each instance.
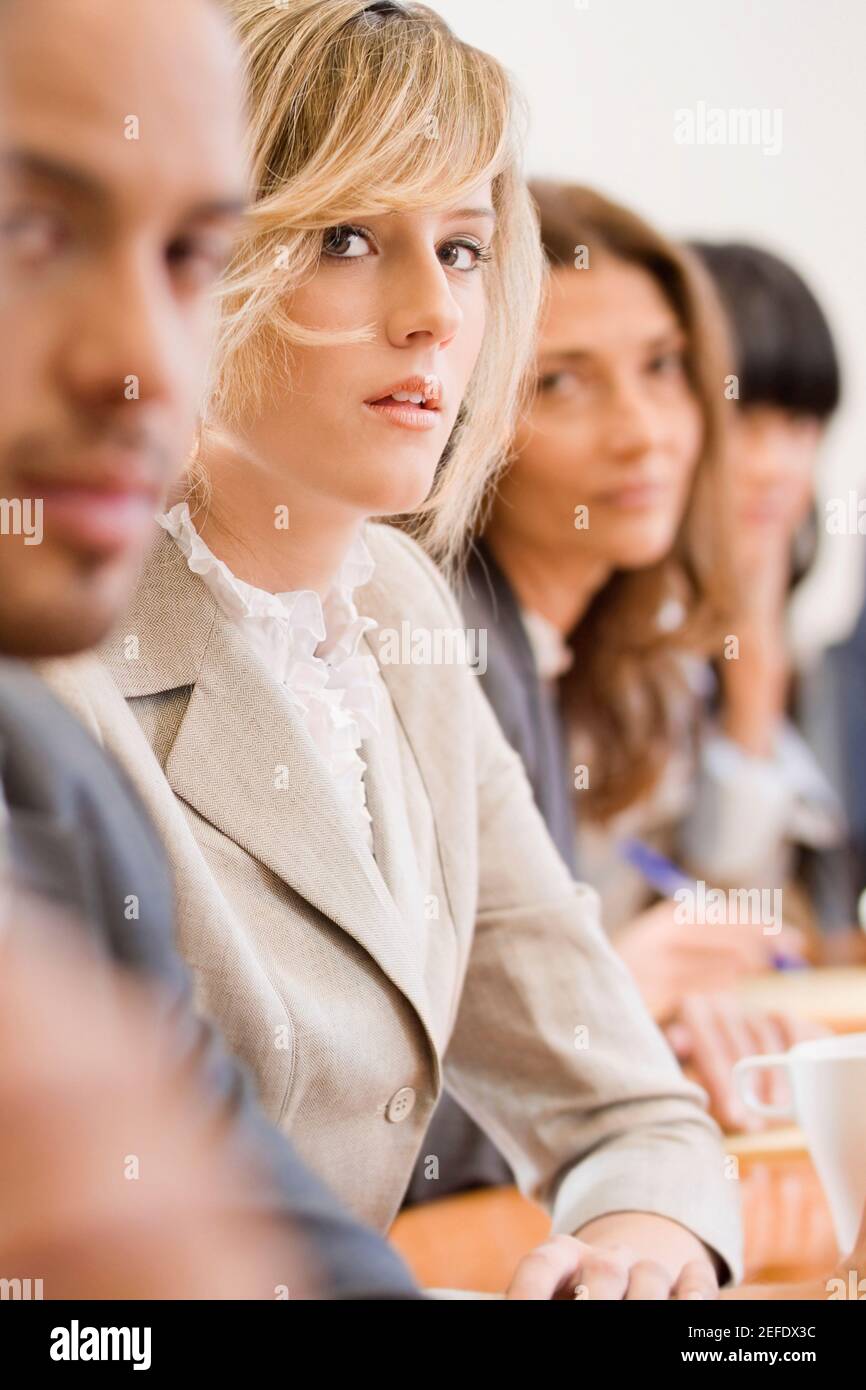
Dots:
(367, 893)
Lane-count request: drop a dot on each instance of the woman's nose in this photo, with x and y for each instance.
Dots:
(422, 306)
(635, 425)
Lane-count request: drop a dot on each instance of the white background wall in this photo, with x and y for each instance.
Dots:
(604, 78)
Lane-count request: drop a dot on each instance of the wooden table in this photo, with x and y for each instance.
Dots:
(474, 1241)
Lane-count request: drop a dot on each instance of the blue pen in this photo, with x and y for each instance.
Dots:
(667, 878)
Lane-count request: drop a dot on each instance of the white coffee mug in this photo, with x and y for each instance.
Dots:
(827, 1078)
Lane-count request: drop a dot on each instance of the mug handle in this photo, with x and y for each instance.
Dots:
(746, 1091)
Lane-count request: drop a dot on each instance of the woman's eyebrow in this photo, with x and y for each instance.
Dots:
(668, 337)
(472, 212)
(554, 354)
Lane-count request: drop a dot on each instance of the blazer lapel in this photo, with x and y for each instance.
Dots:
(393, 843)
(411, 710)
(244, 761)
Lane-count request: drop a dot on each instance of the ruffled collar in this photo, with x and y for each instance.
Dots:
(312, 647)
(302, 608)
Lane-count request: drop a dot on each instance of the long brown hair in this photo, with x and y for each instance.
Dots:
(625, 686)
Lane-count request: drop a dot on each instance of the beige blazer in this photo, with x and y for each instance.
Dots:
(350, 981)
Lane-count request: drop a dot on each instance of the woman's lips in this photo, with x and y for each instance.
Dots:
(637, 497)
(766, 514)
(404, 414)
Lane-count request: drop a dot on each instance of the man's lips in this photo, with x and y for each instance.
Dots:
(101, 513)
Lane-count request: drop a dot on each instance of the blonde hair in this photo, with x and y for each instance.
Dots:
(357, 107)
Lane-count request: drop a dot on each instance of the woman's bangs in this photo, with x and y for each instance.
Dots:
(421, 149)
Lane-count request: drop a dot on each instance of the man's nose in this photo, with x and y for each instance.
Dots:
(121, 340)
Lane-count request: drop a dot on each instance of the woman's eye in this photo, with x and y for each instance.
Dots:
(32, 236)
(345, 243)
(559, 384)
(463, 255)
(667, 364)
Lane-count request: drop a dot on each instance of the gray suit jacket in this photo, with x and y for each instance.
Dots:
(527, 710)
(79, 836)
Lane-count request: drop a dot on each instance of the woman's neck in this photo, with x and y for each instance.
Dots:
(267, 541)
(557, 584)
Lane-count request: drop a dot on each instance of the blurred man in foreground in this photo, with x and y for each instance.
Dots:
(122, 180)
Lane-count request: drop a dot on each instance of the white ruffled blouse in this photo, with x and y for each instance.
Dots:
(311, 648)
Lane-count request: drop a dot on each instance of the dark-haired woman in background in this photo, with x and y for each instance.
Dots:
(765, 811)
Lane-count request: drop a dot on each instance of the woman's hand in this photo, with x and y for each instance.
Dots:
(671, 959)
(711, 1032)
(628, 1255)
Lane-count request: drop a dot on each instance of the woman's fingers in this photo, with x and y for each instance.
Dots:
(697, 1280)
(605, 1273)
(722, 1033)
(768, 1037)
(680, 1039)
(712, 1058)
(567, 1268)
(714, 1031)
(648, 1280)
(547, 1269)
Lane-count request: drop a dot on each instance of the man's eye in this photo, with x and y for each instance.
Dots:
(346, 243)
(32, 235)
(199, 260)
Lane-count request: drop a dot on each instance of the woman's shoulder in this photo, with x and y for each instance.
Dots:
(408, 576)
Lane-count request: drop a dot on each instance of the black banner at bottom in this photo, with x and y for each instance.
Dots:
(162, 1339)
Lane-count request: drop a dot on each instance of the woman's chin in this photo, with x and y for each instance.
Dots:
(644, 540)
(642, 553)
(400, 496)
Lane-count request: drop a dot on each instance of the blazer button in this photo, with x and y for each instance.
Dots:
(401, 1104)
